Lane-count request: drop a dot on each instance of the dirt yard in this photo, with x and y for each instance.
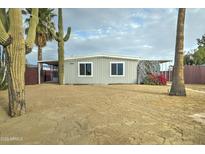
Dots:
(114, 114)
(196, 87)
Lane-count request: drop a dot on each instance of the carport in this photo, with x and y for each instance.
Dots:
(48, 71)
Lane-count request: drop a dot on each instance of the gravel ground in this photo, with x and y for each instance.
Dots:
(109, 114)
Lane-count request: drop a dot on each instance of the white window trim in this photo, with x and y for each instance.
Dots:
(117, 63)
(85, 63)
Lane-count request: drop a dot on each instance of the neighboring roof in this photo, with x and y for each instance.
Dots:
(103, 56)
(160, 61)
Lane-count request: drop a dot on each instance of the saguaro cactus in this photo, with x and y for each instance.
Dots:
(60, 38)
(12, 38)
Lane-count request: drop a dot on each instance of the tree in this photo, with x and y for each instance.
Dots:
(201, 42)
(199, 56)
(178, 87)
(189, 59)
(12, 39)
(43, 34)
(199, 53)
(60, 38)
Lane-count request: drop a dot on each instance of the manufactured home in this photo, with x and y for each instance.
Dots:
(102, 69)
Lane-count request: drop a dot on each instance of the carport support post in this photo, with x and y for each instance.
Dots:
(39, 73)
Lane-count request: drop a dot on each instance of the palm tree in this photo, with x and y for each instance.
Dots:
(178, 87)
(43, 33)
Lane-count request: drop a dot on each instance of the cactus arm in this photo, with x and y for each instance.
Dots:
(54, 33)
(60, 22)
(5, 39)
(4, 18)
(67, 36)
(32, 30)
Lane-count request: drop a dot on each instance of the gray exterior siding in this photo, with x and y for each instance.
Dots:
(101, 71)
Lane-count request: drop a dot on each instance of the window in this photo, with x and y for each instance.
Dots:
(85, 69)
(117, 69)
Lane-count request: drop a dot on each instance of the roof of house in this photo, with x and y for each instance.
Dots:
(104, 56)
(55, 62)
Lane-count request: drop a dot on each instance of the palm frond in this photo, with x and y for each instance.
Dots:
(43, 33)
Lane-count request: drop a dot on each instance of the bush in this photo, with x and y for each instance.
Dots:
(155, 79)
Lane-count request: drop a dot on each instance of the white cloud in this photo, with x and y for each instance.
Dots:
(147, 46)
(147, 33)
(134, 25)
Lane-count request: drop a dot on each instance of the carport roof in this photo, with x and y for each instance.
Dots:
(160, 61)
(49, 62)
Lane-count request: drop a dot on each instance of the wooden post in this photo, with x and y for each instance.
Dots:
(39, 73)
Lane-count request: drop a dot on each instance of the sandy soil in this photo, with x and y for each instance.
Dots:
(200, 87)
(114, 114)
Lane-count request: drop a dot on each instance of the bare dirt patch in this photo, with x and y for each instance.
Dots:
(114, 114)
(199, 87)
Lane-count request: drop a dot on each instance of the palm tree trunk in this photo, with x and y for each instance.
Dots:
(39, 53)
(178, 87)
(15, 60)
(39, 59)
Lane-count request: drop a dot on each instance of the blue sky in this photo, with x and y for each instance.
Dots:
(145, 33)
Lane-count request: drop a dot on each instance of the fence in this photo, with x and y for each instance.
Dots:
(193, 74)
(31, 75)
